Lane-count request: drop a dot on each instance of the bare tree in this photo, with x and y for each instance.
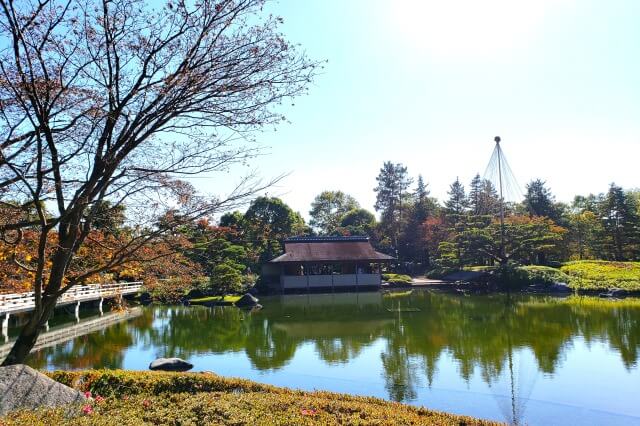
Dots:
(113, 100)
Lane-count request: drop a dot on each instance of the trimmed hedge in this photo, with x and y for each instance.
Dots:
(397, 279)
(603, 275)
(439, 273)
(545, 275)
(134, 398)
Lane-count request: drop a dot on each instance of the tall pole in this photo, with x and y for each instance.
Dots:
(497, 139)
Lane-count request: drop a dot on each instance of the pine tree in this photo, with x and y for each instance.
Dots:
(475, 195)
(457, 203)
(412, 244)
(539, 201)
(391, 196)
(489, 199)
(621, 224)
(423, 205)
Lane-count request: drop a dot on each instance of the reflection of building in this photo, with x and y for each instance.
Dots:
(326, 262)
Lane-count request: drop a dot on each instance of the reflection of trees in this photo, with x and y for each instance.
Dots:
(479, 332)
(270, 337)
(484, 332)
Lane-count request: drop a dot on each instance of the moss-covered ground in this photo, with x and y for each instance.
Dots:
(137, 398)
(603, 275)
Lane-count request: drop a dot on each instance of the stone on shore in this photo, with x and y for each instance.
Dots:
(247, 301)
(22, 387)
(170, 364)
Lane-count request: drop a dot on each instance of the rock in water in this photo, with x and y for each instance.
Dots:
(560, 288)
(22, 387)
(247, 301)
(170, 364)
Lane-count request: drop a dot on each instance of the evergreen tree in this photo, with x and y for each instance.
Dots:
(328, 208)
(457, 203)
(412, 245)
(392, 197)
(268, 221)
(483, 197)
(423, 205)
(476, 189)
(539, 201)
(584, 227)
(489, 199)
(621, 224)
(358, 222)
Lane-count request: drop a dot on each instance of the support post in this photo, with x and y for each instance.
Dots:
(306, 271)
(78, 311)
(5, 327)
(46, 326)
(332, 278)
(100, 306)
(282, 278)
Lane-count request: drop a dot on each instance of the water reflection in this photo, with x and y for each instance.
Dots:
(485, 334)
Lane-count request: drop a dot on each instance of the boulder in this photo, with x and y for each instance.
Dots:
(170, 364)
(22, 387)
(195, 294)
(145, 298)
(560, 288)
(247, 301)
(615, 293)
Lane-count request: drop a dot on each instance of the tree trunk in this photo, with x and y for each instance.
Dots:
(29, 333)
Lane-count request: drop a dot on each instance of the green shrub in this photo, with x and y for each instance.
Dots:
(480, 268)
(226, 278)
(514, 276)
(545, 275)
(397, 279)
(134, 398)
(603, 275)
(440, 272)
(510, 276)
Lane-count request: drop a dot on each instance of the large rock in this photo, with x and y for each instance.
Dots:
(170, 364)
(247, 301)
(23, 387)
(615, 293)
(560, 288)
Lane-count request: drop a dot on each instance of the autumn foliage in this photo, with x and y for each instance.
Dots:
(98, 261)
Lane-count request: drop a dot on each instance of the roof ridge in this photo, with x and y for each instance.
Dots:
(333, 239)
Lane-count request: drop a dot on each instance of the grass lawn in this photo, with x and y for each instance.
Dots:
(224, 299)
(135, 398)
(603, 275)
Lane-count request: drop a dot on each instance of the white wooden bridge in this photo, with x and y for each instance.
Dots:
(16, 303)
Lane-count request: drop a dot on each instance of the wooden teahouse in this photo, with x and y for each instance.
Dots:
(326, 263)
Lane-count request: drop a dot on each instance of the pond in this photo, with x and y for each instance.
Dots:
(521, 359)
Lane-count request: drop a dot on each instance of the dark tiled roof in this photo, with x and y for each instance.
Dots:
(319, 239)
(326, 249)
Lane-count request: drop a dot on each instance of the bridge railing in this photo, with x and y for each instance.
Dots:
(23, 301)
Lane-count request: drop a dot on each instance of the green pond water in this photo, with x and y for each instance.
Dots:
(521, 359)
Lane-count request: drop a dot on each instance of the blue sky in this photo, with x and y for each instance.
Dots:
(430, 83)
